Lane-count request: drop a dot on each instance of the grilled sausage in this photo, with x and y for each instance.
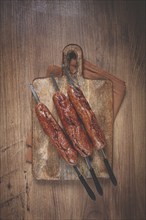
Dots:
(72, 124)
(87, 116)
(56, 134)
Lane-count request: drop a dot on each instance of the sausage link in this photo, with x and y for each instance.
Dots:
(87, 116)
(56, 134)
(72, 124)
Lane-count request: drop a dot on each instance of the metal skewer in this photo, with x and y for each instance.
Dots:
(95, 179)
(109, 169)
(54, 83)
(106, 162)
(85, 184)
(80, 176)
(34, 93)
(69, 78)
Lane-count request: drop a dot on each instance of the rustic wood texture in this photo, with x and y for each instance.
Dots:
(47, 164)
(33, 34)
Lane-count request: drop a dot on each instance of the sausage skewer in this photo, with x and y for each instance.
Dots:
(74, 129)
(58, 138)
(89, 120)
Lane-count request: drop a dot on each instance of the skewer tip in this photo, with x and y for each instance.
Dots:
(34, 93)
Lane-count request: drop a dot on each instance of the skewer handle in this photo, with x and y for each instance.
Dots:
(97, 184)
(109, 169)
(95, 179)
(85, 184)
(110, 172)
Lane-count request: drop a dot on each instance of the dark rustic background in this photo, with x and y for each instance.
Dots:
(32, 36)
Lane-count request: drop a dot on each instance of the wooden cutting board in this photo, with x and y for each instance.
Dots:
(47, 164)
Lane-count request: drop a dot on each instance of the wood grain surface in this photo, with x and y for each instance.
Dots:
(32, 36)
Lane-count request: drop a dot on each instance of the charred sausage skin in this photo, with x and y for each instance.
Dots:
(87, 116)
(72, 124)
(56, 134)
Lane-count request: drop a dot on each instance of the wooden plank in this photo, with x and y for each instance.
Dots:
(12, 182)
(112, 36)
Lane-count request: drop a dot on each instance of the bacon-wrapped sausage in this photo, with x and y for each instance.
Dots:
(72, 124)
(87, 116)
(55, 133)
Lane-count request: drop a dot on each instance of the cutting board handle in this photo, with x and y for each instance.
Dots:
(73, 59)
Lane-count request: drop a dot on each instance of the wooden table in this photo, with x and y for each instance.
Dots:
(33, 35)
